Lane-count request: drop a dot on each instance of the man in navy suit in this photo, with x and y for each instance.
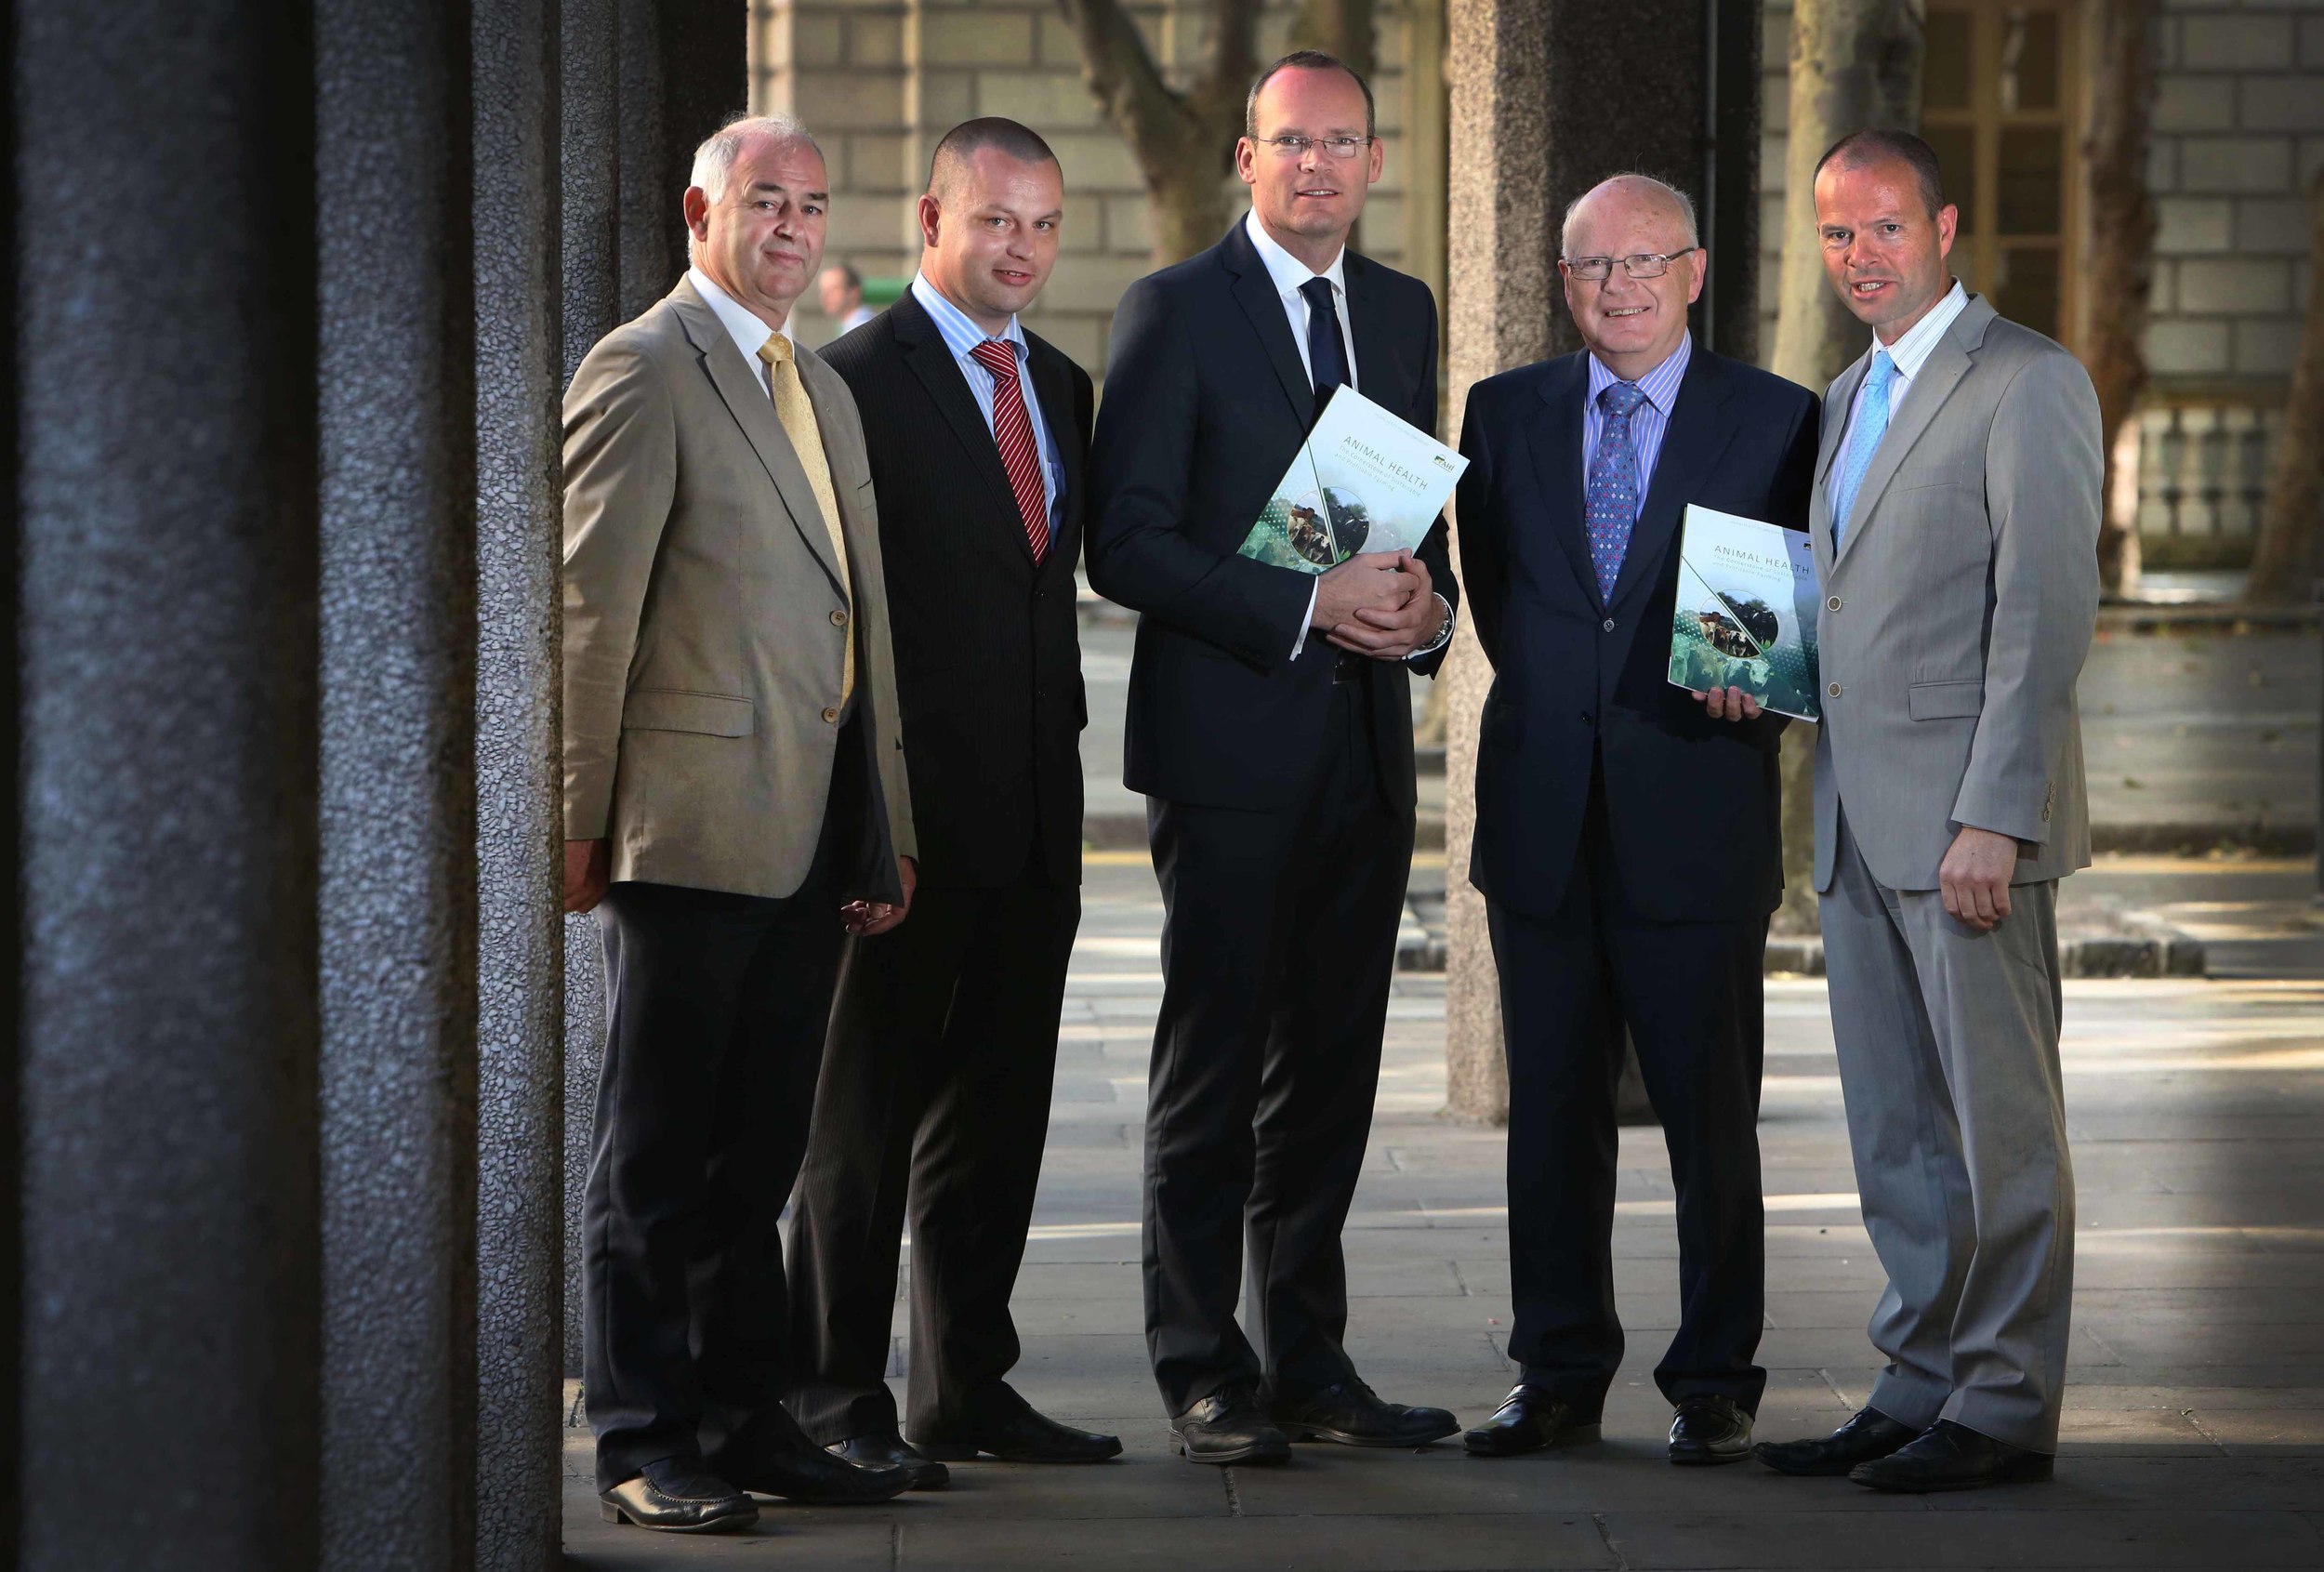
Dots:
(1628, 835)
(1270, 728)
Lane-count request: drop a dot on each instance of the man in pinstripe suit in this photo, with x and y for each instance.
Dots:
(935, 1089)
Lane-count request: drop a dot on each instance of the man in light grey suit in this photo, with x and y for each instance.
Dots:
(1956, 519)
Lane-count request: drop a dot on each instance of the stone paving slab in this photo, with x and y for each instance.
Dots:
(2194, 1432)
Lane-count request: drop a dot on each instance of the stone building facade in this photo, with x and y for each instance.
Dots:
(880, 80)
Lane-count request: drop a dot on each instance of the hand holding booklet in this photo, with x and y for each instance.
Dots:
(1363, 480)
(1746, 612)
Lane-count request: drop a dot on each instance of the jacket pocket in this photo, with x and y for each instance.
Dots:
(675, 709)
(1945, 701)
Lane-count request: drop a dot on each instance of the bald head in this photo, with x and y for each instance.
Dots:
(953, 168)
(1625, 197)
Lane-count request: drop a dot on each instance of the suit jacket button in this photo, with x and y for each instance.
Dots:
(1833, 690)
(1607, 624)
(839, 619)
(832, 715)
(1832, 605)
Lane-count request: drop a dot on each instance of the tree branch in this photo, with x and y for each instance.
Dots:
(1123, 76)
(1218, 93)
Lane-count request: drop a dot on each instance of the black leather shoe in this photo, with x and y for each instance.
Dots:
(1528, 1421)
(678, 1495)
(815, 1477)
(1352, 1414)
(1952, 1457)
(1709, 1429)
(889, 1451)
(1868, 1434)
(1229, 1427)
(1007, 1427)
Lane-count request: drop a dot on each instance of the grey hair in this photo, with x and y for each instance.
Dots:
(1679, 199)
(713, 160)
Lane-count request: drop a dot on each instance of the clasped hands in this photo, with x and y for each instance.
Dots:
(590, 868)
(1378, 603)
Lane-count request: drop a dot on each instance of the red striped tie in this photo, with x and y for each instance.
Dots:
(1012, 429)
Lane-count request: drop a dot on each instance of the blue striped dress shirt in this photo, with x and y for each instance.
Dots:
(961, 336)
(1647, 423)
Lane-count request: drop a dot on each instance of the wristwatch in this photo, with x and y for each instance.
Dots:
(1444, 631)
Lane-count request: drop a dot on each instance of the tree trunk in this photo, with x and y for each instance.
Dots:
(2119, 41)
(1854, 63)
(2286, 563)
(1183, 142)
(1341, 28)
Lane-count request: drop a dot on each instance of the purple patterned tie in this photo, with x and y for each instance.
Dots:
(1611, 503)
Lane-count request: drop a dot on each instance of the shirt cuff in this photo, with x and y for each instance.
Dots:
(1442, 638)
(1300, 643)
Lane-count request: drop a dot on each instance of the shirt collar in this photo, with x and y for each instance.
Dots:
(1912, 351)
(1660, 385)
(741, 323)
(960, 331)
(1287, 271)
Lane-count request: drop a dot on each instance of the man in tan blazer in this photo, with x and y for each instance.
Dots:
(1956, 523)
(734, 792)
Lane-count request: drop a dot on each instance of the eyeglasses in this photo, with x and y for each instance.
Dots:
(1597, 270)
(1296, 147)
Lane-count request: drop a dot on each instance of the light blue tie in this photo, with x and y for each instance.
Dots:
(1864, 442)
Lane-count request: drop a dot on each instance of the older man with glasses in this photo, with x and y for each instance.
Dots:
(1628, 836)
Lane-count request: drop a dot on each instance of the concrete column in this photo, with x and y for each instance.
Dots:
(520, 957)
(165, 501)
(1544, 105)
(397, 444)
(589, 220)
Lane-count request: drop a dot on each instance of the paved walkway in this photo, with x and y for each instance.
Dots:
(2194, 1427)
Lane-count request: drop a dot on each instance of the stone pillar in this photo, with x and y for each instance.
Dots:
(520, 957)
(589, 221)
(398, 904)
(1545, 103)
(164, 500)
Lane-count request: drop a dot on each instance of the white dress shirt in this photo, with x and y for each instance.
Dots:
(741, 323)
(1909, 353)
(1287, 274)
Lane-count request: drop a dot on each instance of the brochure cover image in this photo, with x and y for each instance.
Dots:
(1364, 481)
(1746, 612)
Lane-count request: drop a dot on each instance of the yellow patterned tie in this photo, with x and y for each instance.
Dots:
(798, 414)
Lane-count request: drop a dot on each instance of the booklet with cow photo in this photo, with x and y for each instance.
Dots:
(1364, 481)
(1746, 612)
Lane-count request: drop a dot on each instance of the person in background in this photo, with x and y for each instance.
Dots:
(840, 293)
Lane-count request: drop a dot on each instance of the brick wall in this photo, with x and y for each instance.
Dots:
(880, 80)
(2238, 131)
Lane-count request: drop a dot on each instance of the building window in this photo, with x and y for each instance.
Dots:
(1996, 100)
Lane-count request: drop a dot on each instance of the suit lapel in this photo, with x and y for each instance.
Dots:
(747, 399)
(932, 362)
(1939, 375)
(1254, 290)
(1053, 387)
(1692, 444)
(1837, 400)
(1554, 437)
(1378, 375)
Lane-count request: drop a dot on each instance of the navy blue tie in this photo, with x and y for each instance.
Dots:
(1327, 357)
